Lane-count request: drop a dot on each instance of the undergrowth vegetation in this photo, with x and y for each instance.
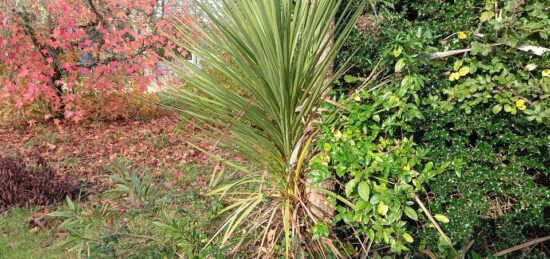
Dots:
(457, 119)
(122, 105)
(408, 129)
(27, 183)
(140, 217)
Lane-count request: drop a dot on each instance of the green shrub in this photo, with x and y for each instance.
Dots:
(499, 191)
(479, 119)
(379, 165)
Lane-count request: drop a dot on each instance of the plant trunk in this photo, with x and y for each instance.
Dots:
(55, 82)
(321, 209)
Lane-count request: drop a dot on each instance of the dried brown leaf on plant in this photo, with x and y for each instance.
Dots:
(25, 184)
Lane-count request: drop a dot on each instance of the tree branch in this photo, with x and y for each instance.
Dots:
(89, 25)
(539, 51)
(29, 30)
(120, 58)
(94, 10)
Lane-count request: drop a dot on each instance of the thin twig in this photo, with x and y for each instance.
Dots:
(374, 9)
(447, 239)
(366, 254)
(331, 102)
(466, 248)
(539, 51)
(528, 251)
(379, 85)
(524, 245)
(444, 54)
(361, 242)
(443, 41)
(368, 80)
(429, 253)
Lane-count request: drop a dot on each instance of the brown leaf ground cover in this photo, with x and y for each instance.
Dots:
(81, 150)
(87, 154)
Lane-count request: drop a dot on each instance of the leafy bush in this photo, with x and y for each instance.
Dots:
(83, 48)
(499, 190)
(478, 118)
(380, 168)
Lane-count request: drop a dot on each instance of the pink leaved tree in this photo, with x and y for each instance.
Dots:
(58, 51)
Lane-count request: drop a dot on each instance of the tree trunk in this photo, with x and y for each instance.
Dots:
(55, 82)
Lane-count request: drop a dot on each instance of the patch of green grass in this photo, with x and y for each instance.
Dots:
(71, 163)
(46, 137)
(17, 240)
(190, 172)
(159, 142)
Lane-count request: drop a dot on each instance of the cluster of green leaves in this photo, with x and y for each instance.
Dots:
(81, 224)
(380, 168)
(135, 187)
(498, 190)
(479, 120)
(512, 80)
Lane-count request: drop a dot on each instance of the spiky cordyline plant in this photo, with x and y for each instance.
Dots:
(279, 54)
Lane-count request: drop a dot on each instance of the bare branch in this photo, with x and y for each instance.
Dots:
(539, 51)
(522, 246)
(119, 58)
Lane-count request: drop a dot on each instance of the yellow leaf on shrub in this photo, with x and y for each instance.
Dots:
(485, 16)
(408, 238)
(521, 104)
(462, 35)
(531, 67)
(457, 65)
(337, 134)
(454, 76)
(399, 65)
(464, 71)
(382, 208)
(546, 73)
(441, 218)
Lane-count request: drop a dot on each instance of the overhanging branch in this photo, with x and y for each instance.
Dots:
(539, 51)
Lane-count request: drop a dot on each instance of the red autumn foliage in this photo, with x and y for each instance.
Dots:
(58, 51)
